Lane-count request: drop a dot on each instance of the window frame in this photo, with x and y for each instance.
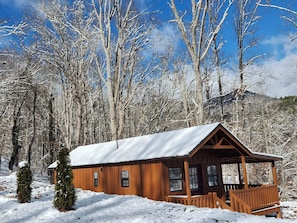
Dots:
(212, 177)
(175, 182)
(96, 179)
(125, 178)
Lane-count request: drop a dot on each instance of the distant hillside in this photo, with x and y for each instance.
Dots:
(289, 104)
(231, 97)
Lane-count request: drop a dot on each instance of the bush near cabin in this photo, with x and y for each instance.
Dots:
(65, 196)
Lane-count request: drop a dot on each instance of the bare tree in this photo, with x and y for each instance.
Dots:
(122, 37)
(290, 17)
(7, 30)
(244, 21)
(67, 45)
(217, 46)
(17, 86)
(183, 84)
(275, 132)
(198, 39)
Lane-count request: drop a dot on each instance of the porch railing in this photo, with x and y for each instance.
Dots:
(239, 205)
(199, 201)
(258, 197)
(256, 200)
(210, 200)
(228, 187)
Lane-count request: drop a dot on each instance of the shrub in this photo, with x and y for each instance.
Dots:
(24, 180)
(65, 196)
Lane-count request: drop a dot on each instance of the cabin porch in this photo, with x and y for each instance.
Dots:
(259, 200)
(244, 196)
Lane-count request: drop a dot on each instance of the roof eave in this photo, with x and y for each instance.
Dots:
(265, 157)
(52, 166)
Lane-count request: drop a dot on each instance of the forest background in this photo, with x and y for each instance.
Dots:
(83, 72)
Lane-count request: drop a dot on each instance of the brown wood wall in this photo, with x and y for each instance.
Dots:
(204, 159)
(84, 178)
(145, 179)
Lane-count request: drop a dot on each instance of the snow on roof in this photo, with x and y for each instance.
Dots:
(268, 155)
(160, 145)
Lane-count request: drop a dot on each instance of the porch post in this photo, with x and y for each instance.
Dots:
(274, 173)
(239, 173)
(243, 163)
(187, 178)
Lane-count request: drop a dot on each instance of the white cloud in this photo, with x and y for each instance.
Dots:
(164, 38)
(142, 4)
(279, 73)
(275, 78)
(281, 76)
(281, 45)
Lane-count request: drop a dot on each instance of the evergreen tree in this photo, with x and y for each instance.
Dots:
(24, 180)
(64, 190)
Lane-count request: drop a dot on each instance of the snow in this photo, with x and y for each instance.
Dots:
(100, 207)
(266, 154)
(23, 164)
(176, 143)
(166, 144)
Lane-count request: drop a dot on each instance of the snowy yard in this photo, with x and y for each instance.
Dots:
(99, 207)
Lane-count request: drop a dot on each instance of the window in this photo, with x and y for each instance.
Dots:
(95, 179)
(212, 176)
(125, 178)
(193, 178)
(175, 179)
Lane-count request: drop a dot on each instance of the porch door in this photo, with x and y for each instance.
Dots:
(195, 173)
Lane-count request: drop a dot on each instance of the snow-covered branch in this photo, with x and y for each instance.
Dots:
(7, 30)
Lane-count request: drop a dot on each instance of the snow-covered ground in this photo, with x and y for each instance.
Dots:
(100, 207)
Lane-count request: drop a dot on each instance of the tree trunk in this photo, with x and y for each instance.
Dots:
(51, 126)
(199, 96)
(15, 135)
(15, 143)
(34, 128)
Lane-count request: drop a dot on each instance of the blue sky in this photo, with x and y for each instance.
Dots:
(270, 24)
(272, 33)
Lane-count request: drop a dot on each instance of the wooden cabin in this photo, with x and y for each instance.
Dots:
(182, 166)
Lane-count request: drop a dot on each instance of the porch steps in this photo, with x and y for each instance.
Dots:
(259, 200)
(268, 210)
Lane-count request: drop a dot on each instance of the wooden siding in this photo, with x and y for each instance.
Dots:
(145, 179)
(155, 181)
(84, 178)
(148, 179)
(204, 159)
